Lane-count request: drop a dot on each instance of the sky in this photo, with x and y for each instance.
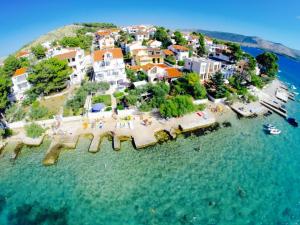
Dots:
(275, 20)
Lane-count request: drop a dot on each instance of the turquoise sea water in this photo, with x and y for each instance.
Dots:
(236, 175)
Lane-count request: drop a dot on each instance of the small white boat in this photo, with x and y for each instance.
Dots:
(275, 131)
(293, 87)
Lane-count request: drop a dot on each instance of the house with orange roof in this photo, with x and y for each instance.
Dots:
(109, 67)
(23, 54)
(20, 83)
(76, 60)
(157, 72)
(147, 55)
(181, 52)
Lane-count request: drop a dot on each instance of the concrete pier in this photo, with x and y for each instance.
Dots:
(17, 150)
(116, 143)
(52, 153)
(274, 108)
(142, 141)
(94, 147)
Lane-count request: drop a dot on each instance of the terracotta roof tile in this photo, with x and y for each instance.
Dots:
(67, 55)
(180, 48)
(173, 72)
(116, 53)
(168, 52)
(20, 71)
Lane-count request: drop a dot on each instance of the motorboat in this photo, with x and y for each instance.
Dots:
(293, 87)
(275, 131)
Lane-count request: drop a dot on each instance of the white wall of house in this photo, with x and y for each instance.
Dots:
(79, 67)
(20, 85)
(106, 42)
(155, 74)
(204, 67)
(110, 70)
(155, 44)
(133, 46)
(182, 56)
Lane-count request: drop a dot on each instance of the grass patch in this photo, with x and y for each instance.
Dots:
(54, 104)
(106, 99)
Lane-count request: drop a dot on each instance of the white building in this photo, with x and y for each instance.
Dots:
(106, 42)
(154, 44)
(181, 52)
(109, 67)
(20, 83)
(204, 67)
(134, 46)
(76, 60)
(158, 72)
(140, 36)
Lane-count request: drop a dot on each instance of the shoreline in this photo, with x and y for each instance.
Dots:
(141, 129)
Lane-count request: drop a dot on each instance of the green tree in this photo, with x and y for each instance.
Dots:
(131, 75)
(39, 51)
(268, 62)
(218, 80)
(257, 81)
(180, 40)
(177, 106)
(201, 50)
(5, 88)
(162, 35)
(251, 64)
(49, 76)
(236, 51)
(11, 64)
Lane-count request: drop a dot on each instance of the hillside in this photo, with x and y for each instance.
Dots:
(252, 41)
(69, 30)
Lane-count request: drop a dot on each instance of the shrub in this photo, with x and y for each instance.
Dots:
(15, 113)
(145, 107)
(120, 107)
(180, 63)
(108, 108)
(38, 112)
(201, 107)
(118, 94)
(34, 130)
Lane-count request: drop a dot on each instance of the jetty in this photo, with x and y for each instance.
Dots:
(280, 111)
(55, 147)
(94, 147)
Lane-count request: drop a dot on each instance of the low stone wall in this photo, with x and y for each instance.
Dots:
(216, 100)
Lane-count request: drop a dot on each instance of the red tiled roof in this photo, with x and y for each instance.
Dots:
(67, 55)
(180, 48)
(173, 72)
(20, 71)
(116, 53)
(168, 52)
(22, 53)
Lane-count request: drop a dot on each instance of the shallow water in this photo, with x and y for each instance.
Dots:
(236, 175)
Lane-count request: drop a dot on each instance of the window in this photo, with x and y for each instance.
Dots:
(73, 59)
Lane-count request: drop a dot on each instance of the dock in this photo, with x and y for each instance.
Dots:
(274, 108)
(194, 122)
(142, 141)
(94, 147)
(116, 143)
